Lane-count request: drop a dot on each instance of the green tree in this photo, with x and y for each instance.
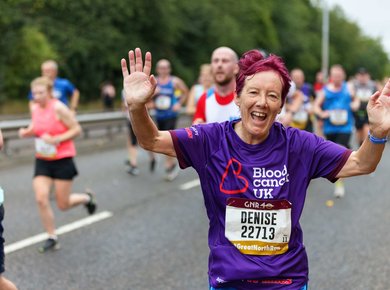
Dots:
(30, 48)
(88, 38)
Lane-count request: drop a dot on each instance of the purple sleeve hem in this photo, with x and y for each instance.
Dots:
(179, 153)
(332, 176)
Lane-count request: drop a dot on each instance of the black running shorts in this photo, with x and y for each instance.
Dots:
(339, 138)
(167, 124)
(133, 138)
(57, 169)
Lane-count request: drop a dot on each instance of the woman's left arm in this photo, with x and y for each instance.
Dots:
(367, 157)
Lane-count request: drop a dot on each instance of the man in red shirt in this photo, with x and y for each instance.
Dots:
(217, 104)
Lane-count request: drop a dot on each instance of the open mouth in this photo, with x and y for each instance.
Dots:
(258, 116)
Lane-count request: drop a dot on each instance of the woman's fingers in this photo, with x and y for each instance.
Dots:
(148, 63)
(138, 59)
(132, 61)
(375, 96)
(386, 89)
(125, 71)
(153, 82)
(136, 63)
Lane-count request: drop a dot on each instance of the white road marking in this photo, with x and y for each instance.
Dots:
(190, 184)
(60, 231)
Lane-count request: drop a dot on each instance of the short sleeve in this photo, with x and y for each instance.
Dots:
(69, 87)
(323, 158)
(193, 144)
(200, 112)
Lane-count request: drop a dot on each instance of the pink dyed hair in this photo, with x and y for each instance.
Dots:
(253, 61)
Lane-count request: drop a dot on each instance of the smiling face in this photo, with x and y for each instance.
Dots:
(260, 101)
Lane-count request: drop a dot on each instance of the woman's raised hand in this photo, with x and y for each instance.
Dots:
(138, 85)
(378, 110)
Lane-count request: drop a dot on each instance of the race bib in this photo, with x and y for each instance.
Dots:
(301, 117)
(338, 117)
(44, 149)
(364, 94)
(258, 227)
(163, 102)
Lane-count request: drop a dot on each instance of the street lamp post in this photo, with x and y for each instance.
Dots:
(325, 40)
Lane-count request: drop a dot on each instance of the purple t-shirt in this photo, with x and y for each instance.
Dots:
(275, 174)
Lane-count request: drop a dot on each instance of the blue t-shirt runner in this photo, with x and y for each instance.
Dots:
(338, 103)
(165, 100)
(254, 197)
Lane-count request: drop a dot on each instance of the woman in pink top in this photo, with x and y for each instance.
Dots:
(54, 126)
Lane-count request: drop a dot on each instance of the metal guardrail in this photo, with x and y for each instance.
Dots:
(88, 122)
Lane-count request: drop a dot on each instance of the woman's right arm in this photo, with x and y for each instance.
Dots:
(27, 132)
(139, 87)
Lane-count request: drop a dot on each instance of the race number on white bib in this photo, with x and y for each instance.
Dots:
(338, 117)
(301, 117)
(163, 102)
(258, 227)
(44, 149)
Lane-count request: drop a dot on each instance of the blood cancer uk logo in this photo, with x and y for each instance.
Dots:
(232, 173)
(264, 180)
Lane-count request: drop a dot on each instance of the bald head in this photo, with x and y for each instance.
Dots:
(224, 65)
(163, 68)
(224, 50)
(49, 68)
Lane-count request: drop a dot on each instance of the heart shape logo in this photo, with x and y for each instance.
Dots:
(230, 167)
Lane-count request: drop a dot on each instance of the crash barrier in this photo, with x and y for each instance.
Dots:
(107, 123)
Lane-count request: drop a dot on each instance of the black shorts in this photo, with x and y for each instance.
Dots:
(361, 116)
(133, 138)
(339, 138)
(1, 240)
(57, 169)
(167, 124)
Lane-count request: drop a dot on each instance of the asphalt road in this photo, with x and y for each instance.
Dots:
(157, 235)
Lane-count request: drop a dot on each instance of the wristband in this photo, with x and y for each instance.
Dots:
(376, 140)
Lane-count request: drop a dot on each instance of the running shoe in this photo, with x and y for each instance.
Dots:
(172, 173)
(339, 189)
(133, 170)
(48, 245)
(91, 205)
(152, 165)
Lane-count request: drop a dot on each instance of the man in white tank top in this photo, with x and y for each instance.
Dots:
(217, 104)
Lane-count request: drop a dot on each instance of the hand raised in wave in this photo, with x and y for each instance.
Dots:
(138, 85)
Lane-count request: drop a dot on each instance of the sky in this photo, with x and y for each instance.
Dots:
(372, 16)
